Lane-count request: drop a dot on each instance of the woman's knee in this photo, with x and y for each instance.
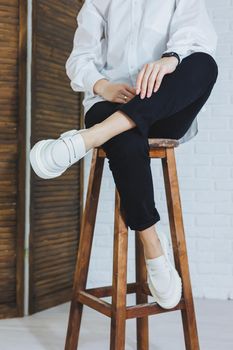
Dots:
(208, 63)
(129, 144)
(99, 112)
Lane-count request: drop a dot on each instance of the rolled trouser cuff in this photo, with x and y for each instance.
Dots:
(136, 117)
(142, 226)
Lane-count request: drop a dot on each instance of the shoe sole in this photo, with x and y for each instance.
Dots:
(36, 161)
(178, 292)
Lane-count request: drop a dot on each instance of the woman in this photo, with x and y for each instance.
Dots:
(147, 68)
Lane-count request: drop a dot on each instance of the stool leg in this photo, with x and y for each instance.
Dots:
(141, 278)
(84, 250)
(119, 280)
(179, 247)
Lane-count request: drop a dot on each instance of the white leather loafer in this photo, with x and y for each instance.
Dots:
(171, 297)
(52, 157)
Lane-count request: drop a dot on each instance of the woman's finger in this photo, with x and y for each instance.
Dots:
(145, 78)
(139, 79)
(127, 99)
(159, 79)
(152, 79)
(130, 96)
(131, 89)
(127, 93)
(118, 99)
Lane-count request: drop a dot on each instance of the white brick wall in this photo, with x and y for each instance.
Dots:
(205, 170)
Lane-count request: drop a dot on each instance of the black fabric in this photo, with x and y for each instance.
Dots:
(168, 113)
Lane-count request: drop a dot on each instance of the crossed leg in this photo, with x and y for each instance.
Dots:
(123, 131)
(196, 74)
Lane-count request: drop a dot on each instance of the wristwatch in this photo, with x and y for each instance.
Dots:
(170, 54)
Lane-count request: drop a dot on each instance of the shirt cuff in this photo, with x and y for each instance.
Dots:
(90, 79)
(182, 56)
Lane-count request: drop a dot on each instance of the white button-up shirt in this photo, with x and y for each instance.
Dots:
(115, 38)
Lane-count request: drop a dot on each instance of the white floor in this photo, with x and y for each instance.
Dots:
(46, 330)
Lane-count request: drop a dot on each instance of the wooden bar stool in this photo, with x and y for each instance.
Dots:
(117, 310)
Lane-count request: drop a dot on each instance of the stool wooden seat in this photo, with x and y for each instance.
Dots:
(118, 311)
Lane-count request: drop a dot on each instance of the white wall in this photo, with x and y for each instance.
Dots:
(205, 170)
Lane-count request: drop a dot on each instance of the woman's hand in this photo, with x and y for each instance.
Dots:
(151, 75)
(114, 92)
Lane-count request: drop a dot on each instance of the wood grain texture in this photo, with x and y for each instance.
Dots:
(56, 204)
(84, 252)
(12, 156)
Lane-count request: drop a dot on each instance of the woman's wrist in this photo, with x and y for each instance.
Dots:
(172, 59)
(99, 86)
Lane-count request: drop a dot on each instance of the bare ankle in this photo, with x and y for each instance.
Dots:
(92, 137)
(152, 250)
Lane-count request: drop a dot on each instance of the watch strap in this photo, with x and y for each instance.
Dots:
(170, 54)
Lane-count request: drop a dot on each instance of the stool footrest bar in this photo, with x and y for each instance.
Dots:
(147, 309)
(106, 291)
(95, 303)
(133, 311)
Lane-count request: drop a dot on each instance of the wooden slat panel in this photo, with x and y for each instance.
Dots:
(12, 155)
(56, 204)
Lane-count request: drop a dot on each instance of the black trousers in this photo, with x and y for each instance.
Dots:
(168, 113)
